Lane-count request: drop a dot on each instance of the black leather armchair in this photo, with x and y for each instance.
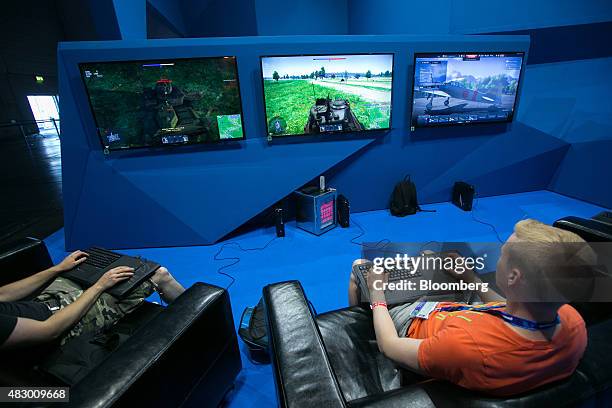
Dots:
(332, 360)
(183, 355)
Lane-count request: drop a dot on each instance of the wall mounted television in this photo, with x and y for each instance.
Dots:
(465, 88)
(153, 103)
(322, 94)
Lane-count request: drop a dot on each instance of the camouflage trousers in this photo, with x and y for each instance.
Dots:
(104, 313)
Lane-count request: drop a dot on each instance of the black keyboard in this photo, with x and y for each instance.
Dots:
(100, 258)
(398, 296)
(401, 274)
(394, 274)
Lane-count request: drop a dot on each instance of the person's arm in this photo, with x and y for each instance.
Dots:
(28, 331)
(469, 276)
(402, 350)
(24, 287)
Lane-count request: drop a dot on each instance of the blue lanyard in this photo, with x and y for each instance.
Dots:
(513, 320)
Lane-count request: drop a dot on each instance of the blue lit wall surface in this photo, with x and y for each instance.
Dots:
(471, 16)
(197, 195)
(569, 100)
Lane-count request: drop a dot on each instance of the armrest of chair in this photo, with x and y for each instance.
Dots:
(187, 352)
(590, 230)
(22, 259)
(413, 396)
(302, 371)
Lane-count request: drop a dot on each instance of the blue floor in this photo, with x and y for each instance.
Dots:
(322, 264)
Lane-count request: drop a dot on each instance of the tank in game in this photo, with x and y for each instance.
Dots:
(324, 94)
(145, 103)
(169, 112)
(328, 115)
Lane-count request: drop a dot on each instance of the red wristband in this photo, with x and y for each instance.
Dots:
(373, 305)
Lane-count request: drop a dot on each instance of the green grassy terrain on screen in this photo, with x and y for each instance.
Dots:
(292, 100)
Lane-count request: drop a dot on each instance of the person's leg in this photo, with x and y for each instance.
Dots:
(167, 287)
(102, 314)
(108, 310)
(62, 289)
(354, 292)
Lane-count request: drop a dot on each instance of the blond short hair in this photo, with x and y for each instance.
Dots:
(535, 231)
(552, 257)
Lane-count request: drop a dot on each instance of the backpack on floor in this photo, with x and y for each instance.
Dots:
(254, 333)
(404, 198)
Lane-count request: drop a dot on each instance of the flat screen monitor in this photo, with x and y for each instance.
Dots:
(313, 94)
(164, 102)
(464, 88)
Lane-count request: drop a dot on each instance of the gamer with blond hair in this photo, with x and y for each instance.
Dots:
(504, 346)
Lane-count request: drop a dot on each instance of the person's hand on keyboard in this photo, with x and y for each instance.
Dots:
(71, 261)
(114, 276)
(464, 273)
(376, 281)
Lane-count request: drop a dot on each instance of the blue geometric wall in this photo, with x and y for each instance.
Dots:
(196, 195)
(518, 159)
(176, 199)
(570, 101)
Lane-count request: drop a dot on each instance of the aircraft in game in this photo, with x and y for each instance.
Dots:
(453, 89)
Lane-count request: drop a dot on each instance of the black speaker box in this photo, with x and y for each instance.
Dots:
(344, 211)
(463, 195)
(280, 222)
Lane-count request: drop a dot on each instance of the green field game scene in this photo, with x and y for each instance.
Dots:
(327, 93)
(156, 103)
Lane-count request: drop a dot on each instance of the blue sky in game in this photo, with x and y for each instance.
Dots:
(486, 66)
(301, 65)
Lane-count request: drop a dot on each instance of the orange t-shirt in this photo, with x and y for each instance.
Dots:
(480, 352)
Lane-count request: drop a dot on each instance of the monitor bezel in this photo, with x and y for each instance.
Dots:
(413, 123)
(170, 145)
(361, 132)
